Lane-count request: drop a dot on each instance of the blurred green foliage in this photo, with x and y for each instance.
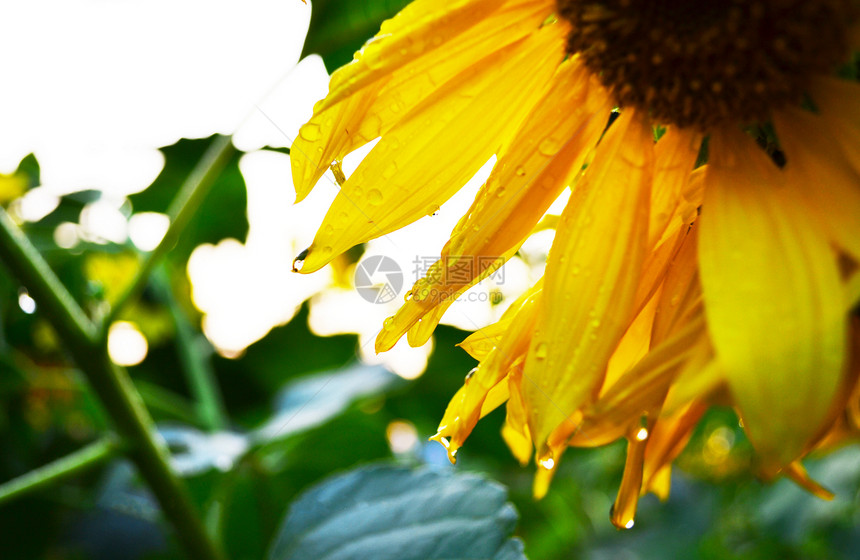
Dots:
(245, 476)
(339, 28)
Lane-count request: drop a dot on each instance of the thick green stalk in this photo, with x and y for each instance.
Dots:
(74, 463)
(209, 405)
(110, 383)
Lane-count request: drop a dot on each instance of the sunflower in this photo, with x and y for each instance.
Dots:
(707, 254)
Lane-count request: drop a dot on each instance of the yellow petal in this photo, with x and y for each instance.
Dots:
(773, 299)
(520, 445)
(435, 149)
(852, 290)
(642, 389)
(624, 509)
(452, 431)
(592, 432)
(496, 397)
(699, 379)
(481, 342)
(692, 196)
(338, 128)
(545, 154)
(547, 467)
(516, 430)
(591, 278)
(421, 331)
(656, 265)
(796, 472)
(818, 169)
(852, 407)
(633, 345)
(660, 483)
(681, 289)
(492, 372)
(838, 102)
(330, 136)
(674, 157)
(846, 401)
(421, 26)
(666, 439)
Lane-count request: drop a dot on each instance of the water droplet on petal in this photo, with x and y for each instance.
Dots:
(620, 523)
(541, 351)
(548, 182)
(300, 259)
(310, 132)
(549, 146)
(374, 197)
(521, 171)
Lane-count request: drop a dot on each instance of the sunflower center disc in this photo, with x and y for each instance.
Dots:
(706, 63)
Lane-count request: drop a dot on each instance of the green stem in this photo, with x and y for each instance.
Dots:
(111, 384)
(72, 464)
(182, 209)
(201, 379)
(166, 402)
(25, 262)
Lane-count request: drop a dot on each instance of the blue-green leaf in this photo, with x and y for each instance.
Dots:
(397, 513)
(313, 400)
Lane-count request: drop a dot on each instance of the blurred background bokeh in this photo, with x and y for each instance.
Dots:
(105, 111)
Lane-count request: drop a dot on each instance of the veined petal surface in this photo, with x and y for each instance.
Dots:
(773, 299)
(591, 278)
(435, 149)
(421, 26)
(336, 129)
(546, 152)
(821, 173)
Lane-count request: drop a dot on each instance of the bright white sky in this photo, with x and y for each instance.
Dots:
(91, 86)
(94, 87)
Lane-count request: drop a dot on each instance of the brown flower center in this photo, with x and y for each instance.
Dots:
(706, 63)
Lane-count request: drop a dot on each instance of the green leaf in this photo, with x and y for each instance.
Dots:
(315, 399)
(29, 168)
(339, 28)
(396, 513)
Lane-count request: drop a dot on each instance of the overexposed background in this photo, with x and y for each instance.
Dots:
(94, 88)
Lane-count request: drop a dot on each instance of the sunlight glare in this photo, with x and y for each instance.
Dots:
(126, 344)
